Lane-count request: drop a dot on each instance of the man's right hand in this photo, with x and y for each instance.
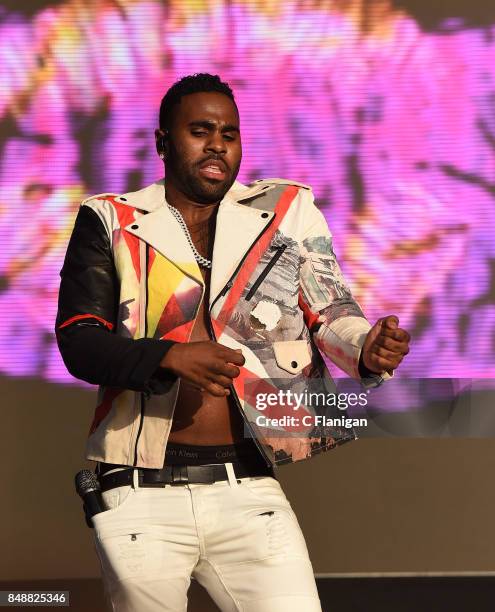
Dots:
(208, 365)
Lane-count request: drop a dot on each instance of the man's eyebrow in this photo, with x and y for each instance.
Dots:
(211, 124)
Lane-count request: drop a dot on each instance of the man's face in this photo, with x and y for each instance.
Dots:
(203, 147)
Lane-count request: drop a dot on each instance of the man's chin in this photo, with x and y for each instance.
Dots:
(209, 192)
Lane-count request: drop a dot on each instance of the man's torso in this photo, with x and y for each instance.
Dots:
(199, 417)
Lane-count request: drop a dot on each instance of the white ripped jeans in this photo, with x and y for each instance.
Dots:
(239, 539)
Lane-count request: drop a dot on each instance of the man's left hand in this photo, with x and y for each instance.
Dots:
(385, 346)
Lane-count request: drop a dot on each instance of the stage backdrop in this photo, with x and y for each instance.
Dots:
(387, 112)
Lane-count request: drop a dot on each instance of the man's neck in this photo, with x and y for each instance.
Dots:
(193, 212)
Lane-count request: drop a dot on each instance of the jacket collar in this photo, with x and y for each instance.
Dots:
(152, 197)
(237, 229)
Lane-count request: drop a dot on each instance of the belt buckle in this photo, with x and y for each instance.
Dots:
(179, 475)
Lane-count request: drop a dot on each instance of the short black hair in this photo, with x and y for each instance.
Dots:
(193, 83)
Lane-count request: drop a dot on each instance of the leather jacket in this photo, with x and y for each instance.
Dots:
(130, 288)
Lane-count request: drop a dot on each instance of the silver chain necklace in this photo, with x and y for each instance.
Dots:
(202, 261)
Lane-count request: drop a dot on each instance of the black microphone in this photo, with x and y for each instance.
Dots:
(88, 488)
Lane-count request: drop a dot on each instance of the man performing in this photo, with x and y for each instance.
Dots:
(172, 299)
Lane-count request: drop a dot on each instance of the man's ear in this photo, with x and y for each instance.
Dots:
(161, 140)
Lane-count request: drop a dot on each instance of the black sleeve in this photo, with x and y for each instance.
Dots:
(87, 313)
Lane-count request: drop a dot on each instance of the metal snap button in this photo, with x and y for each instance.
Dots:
(134, 226)
(293, 364)
(123, 199)
(265, 215)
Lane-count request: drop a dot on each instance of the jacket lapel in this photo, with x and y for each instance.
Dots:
(162, 231)
(237, 229)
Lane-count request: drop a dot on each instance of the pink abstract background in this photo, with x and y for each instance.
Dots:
(391, 122)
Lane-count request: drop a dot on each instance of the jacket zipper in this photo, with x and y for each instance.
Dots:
(227, 287)
(279, 250)
(145, 335)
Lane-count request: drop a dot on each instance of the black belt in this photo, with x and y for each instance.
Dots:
(178, 475)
